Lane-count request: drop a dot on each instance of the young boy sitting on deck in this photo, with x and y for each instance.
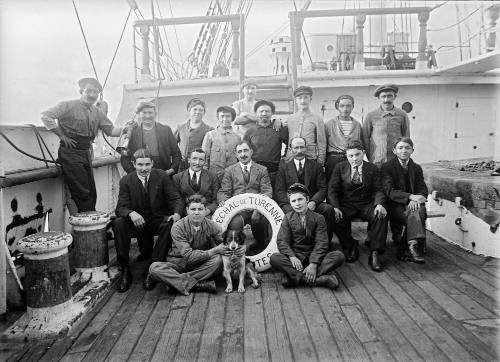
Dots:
(303, 245)
(404, 185)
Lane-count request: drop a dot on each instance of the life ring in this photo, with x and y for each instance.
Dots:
(263, 204)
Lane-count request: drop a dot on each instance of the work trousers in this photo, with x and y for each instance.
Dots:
(79, 176)
(182, 275)
(323, 209)
(377, 231)
(124, 230)
(330, 262)
(414, 221)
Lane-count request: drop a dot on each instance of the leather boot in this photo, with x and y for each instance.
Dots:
(124, 280)
(413, 254)
(352, 254)
(149, 283)
(328, 281)
(374, 261)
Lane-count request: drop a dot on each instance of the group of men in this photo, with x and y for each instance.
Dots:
(175, 182)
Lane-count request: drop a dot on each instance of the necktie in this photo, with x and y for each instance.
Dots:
(303, 220)
(356, 177)
(194, 182)
(246, 174)
(404, 164)
(300, 172)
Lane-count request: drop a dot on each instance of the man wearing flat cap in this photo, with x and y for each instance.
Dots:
(307, 125)
(303, 245)
(190, 135)
(76, 123)
(157, 138)
(384, 125)
(245, 115)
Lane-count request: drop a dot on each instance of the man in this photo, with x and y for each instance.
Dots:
(247, 176)
(219, 143)
(155, 137)
(147, 203)
(265, 141)
(308, 173)
(196, 252)
(190, 135)
(303, 245)
(404, 185)
(77, 123)
(355, 190)
(244, 108)
(307, 125)
(383, 126)
(197, 180)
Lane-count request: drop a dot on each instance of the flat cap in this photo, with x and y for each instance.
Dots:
(82, 82)
(248, 82)
(298, 187)
(226, 109)
(303, 89)
(195, 102)
(143, 104)
(386, 87)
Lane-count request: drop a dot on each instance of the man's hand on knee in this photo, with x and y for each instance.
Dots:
(296, 263)
(137, 219)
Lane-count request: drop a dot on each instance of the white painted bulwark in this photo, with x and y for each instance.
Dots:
(263, 204)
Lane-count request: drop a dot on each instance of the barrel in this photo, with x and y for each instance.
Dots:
(47, 270)
(89, 252)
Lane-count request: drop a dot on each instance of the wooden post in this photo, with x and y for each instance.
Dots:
(492, 13)
(145, 71)
(359, 63)
(90, 245)
(242, 50)
(293, 50)
(421, 62)
(235, 62)
(299, 21)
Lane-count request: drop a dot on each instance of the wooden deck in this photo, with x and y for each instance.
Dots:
(445, 310)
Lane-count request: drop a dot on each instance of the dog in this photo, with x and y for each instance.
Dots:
(237, 267)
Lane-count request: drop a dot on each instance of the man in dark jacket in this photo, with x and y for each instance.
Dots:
(148, 203)
(355, 190)
(155, 137)
(403, 182)
(303, 245)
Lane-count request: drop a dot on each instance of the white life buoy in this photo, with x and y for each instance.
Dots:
(263, 204)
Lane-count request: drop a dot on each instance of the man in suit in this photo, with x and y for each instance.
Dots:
(247, 176)
(155, 137)
(197, 180)
(403, 182)
(147, 205)
(355, 190)
(309, 173)
(303, 245)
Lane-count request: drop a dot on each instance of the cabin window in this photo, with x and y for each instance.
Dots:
(273, 50)
(283, 49)
(407, 107)
(329, 48)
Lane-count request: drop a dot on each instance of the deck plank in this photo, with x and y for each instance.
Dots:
(255, 341)
(383, 324)
(189, 341)
(133, 330)
(211, 340)
(232, 337)
(422, 343)
(277, 336)
(37, 350)
(168, 342)
(378, 351)
(477, 283)
(145, 346)
(360, 323)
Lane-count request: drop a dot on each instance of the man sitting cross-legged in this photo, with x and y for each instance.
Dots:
(196, 252)
(404, 185)
(303, 245)
(355, 190)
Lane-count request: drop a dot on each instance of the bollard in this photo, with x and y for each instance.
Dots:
(89, 252)
(48, 289)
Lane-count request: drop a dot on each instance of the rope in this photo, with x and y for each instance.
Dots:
(40, 142)
(23, 152)
(85, 39)
(452, 25)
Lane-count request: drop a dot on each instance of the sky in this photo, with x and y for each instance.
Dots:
(43, 54)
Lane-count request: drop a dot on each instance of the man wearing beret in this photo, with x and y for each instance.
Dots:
(76, 123)
(303, 245)
(307, 125)
(155, 137)
(190, 135)
(383, 126)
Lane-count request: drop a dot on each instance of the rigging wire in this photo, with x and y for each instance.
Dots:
(85, 39)
(457, 23)
(175, 28)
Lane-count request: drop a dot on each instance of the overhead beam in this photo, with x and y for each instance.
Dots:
(354, 12)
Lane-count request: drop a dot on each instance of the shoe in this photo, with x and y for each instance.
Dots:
(149, 283)
(353, 254)
(414, 256)
(374, 262)
(124, 280)
(286, 282)
(205, 286)
(328, 281)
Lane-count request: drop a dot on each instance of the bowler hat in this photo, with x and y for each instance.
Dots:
(303, 89)
(143, 104)
(82, 82)
(386, 87)
(298, 187)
